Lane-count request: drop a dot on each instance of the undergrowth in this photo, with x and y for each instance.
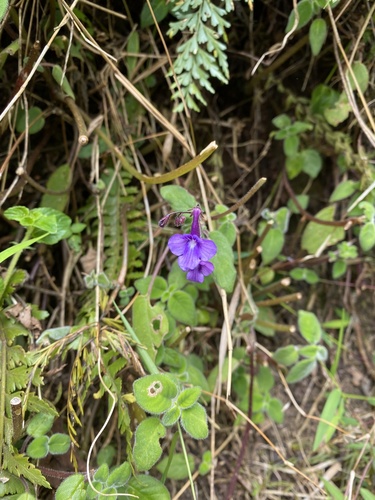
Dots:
(187, 233)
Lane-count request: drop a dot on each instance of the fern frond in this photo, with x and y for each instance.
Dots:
(201, 55)
(19, 465)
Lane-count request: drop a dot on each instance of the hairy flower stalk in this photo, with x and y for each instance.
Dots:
(193, 252)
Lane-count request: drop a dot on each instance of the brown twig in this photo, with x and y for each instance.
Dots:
(246, 434)
(345, 223)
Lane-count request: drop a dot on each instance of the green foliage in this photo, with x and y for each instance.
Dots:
(176, 468)
(3, 8)
(201, 55)
(43, 220)
(147, 450)
(316, 235)
(178, 198)
(61, 80)
(104, 480)
(162, 395)
(59, 181)
(33, 120)
(317, 35)
(332, 412)
(116, 198)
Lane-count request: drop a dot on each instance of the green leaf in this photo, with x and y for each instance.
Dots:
(62, 81)
(282, 121)
(315, 235)
(59, 444)
(361, 75)
(158, 288)
(73, 487)
(35, 119)
(366, 494)
(264, 321)
(224, 272)
(106, 454)
(194, 421)
(176, 276)
(38, 448)
(305, 13)
(332, 412)
(40, 424)
(229, 231)
(133, 48)
(265, 379)
(317, 35)
(177, 469)
(275, 410)
(343, 190)
(304, 274)
(59, 180)
(147, 449)
(160, 10)
(367, 236)
(318, 352)
(303, 200)
(286, 356)
(294, 165)
(291, 145)
(102, 473)
(150, 324)
(188, 397)
(309, 326)
(62, 221)
(19, 465)
(171, 416)
(147, 488)
(3, 8)
(339, 269)
(37, 405)
(53, 334)
(178, 198)
(322, 98)
(9, 252)
(312, 162)
(333, 490)
(272, 245)
(155, 393)
(301, 370)
(181, 306)
(339, 112)
(120, 475)
(368, 210)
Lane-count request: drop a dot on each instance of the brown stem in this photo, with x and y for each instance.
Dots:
(273, 287)
(279, 300)
(346, 223)
(17, 421)
(246, 434)
(243, 200)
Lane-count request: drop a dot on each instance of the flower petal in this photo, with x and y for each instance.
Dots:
(191, 255)
(177, 243)
(203, 269)
(206, 268)
(207, 249)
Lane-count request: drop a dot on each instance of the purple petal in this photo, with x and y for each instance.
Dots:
(177, 243)
(191, 255)
(207, 249)
(206, 268)
(203, 269)
(195, 275)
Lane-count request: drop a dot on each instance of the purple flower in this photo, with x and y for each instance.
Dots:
(203, 269)
(193, 252)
